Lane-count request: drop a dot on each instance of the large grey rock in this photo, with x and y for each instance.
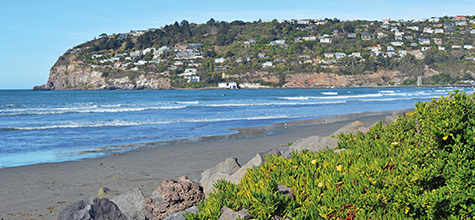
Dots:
(179, 215)
(228, 214)
(210, 176)
(353, 128)
(171, 197)
(92, 209)
(131, 204)
(314, 144)
(222, 171)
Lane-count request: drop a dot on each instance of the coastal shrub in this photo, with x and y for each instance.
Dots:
(419, 167)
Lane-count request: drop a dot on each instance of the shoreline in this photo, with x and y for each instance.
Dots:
(41, 191)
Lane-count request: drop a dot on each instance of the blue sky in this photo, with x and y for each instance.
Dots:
(33, 34)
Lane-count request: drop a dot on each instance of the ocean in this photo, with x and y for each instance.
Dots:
(53, 126)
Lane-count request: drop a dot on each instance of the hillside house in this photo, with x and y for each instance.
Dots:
(402, 53)
(277, 42)
(425, 48)
(310, 38)
(219, 60)
(339, 55)
(355, 54)
(398, 35)
(328, 55)
(428, 30)
(460, 23)
(267, 64)
(414, 28)
(460, 18)
(192, 79)
(448, 25)
(189, 72)
(438, 31)
(408, 37)
(468, 47)
(375, 48)
(326, 40)
(397, 43)
(472, 31)
(297, 39)
(424, 41)
(437, 41)
(414, 44)
(249, 42)
(365, 36)
(261, 55)
(449, 30)
(437, 25)
(441, 48)
(381, 35)
(456, 47)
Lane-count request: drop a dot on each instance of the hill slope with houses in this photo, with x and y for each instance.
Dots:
(277, 53)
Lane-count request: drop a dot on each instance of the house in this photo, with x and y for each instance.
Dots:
(456, 47)
(123, 36)
(433, 19)
(195, 46)
(414, 44)
(448, 25)
(385, 26)
(355, 54)
(326, 40)
(398, 35)
(460, 23)
(189, 72)
(414, 28)
(428, 30)
(232, 85)
(94, 56)
(402, 53)
(140, 62)
(267, 64)
(381, 35)
(437, 41)
(135, 54)
(425, 48)
(222, 84)
(468, 47)
(146, 50)
(449, 30)
(277, 42)
(441, 48)
(375, 48)
(437, 25)
(219, 60)
(472, 31)
(178, 63)
(438, 31)
(192, 79)
(351, 35)
(397, 43)
(408, 37)
(220, 68)
(339, 55)
(298, 39)
(460, 18)
(424, 41)
(261, 55)
(304, 57)
(328, 55)
(310, 38)
(365, 36)
(390, 49)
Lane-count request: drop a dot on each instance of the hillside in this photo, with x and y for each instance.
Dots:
(285, 53)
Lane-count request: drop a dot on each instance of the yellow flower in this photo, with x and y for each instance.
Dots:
(394, 143)
(314, 161)
(445, 137)
(339, 167)
(320, 184)
(407, 210)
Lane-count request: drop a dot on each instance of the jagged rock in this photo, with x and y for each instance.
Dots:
(228, 214)
(131, 204)
(314, 144)
(172, 196)
(92, 209)
(350, 128)
(222, 171)
(179, 215)
(210, 176)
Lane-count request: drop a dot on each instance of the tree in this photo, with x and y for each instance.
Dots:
(103, 35)
(348, 27)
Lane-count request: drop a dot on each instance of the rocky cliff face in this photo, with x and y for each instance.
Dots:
(76, 76)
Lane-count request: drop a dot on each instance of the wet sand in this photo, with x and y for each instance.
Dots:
(42, 191)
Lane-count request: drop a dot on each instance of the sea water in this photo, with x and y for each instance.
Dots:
(52, 126)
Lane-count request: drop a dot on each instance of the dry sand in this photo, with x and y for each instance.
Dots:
(42, 191)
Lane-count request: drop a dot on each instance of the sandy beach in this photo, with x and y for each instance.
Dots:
(42, 191)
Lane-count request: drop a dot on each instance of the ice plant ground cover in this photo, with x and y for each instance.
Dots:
(418, 167)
